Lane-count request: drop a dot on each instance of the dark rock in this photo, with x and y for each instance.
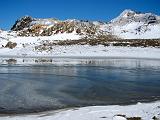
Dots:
(103, 117)
(121, 115)
(78, 31)
(11, 45)
(11, 61)
(155, 118)
(22, 23)
(134, 118)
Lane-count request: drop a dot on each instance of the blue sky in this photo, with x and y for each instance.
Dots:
(103, 10)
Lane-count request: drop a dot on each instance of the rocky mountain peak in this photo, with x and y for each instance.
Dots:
(128, 13)
(128, 16)
(22, 23)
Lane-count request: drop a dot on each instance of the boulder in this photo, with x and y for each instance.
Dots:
(11, 45)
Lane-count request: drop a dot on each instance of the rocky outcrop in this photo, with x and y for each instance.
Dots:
(11, 45)
(22, 23)
(69, 27)
(28, 26)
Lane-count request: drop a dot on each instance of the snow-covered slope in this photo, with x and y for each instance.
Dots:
(134, 25)
(26, 45)
(141, 111)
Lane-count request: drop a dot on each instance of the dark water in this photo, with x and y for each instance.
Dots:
(33, 85)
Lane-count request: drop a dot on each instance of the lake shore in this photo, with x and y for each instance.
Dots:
(84, 51)
(139, 111)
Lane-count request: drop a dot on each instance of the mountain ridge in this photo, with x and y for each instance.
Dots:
(128, 25)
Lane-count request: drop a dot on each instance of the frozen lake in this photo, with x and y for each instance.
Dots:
(39, 84)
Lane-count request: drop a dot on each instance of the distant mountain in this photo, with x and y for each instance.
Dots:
(128, 25)
(128, 16)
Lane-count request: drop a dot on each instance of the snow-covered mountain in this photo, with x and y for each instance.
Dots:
(51, 37)
(28, 26)
(134, 25)
(128, 25)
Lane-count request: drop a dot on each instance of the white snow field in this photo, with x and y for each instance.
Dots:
(85, 51)
(145, 111)
(26, 48)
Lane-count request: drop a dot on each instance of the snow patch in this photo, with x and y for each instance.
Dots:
(146, 111)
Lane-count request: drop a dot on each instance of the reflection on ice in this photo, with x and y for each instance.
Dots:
(38, 84)
(90, 61)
